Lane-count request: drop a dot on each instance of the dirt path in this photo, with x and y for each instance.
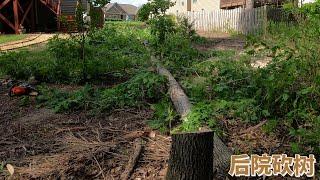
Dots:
(222, 41)
(32, 40)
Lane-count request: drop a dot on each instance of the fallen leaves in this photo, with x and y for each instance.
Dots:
(10, 169)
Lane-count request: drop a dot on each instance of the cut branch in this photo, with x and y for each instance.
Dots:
(133, 159)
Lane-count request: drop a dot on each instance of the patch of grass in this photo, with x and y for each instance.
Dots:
(10, 38)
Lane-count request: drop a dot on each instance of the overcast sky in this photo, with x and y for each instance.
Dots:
(134, 2)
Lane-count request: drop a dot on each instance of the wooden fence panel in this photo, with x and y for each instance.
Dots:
(236, 20)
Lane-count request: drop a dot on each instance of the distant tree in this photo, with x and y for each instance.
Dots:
(161, 24)
(159, 7)
(154, 8)
(83, 27)
(99, 3)
(144, 12)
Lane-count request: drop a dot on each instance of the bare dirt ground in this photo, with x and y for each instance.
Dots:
(42, 144)
(222, 41)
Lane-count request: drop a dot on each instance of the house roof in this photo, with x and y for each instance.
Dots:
(128, 8)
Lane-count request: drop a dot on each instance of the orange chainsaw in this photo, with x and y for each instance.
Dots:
(22, 89)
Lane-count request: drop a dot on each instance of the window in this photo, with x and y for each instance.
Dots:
(194, 1)
(182, 3)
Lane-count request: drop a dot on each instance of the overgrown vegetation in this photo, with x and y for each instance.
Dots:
(108, 55)
(143, 87)
(286, 92)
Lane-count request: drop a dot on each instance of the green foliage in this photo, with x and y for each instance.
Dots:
(209, 113)
(286, 91)
(144, 12)
(270, 126)
(61, 101)
(165, 117)
(160, 28)
(1, 167)
(178, 52)
(158, 7)
(99, 3)
(143, 87)
(117, 50)
(79, 16)
(186, 28)
(161, 24)
(96, 17)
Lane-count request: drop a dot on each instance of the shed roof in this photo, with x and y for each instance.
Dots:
(128, 8)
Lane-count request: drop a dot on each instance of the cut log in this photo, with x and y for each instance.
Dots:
(191, 156)
(183, 106)
(178, 97)
(133, 160)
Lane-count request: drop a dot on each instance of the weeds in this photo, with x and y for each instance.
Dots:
(143, 87)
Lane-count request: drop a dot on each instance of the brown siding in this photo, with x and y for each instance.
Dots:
(232, 3)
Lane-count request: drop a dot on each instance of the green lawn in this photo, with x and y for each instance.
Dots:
(11, 37)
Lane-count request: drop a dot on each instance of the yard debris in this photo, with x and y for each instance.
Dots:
(138, 146)
(10, 168)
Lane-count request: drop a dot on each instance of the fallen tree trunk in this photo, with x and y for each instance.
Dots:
(178, 97)
(183, 106)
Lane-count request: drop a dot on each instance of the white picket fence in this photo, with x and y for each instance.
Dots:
(236, 20)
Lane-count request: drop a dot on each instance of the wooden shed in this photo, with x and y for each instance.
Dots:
(35, 15)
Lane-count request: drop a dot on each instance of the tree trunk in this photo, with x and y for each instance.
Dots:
(178, 97)
(191, 156)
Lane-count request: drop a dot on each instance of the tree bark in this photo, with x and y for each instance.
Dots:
(191, 156)
(177, 95)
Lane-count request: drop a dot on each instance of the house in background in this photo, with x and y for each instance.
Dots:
(231, 4)
(115, 11)
(183, 6)
(194, 5)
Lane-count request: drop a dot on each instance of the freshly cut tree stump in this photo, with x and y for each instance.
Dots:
(191, 156)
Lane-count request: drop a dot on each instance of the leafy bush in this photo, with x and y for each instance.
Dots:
(165, 118)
